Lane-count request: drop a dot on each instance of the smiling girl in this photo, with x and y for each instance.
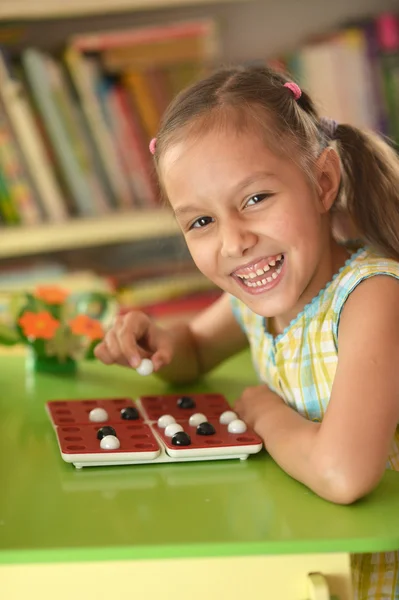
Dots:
(265, 192)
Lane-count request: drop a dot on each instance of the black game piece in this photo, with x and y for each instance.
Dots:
(186, 402)
(130, 413)
(106, 430)
(206, 428)
(181, 438)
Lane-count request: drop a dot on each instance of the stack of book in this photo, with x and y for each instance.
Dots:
(75, 126)
(353, 74)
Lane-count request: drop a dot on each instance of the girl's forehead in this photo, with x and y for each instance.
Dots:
(219, 148)
(218, 166)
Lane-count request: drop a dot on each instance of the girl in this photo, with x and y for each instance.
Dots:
(264, 192)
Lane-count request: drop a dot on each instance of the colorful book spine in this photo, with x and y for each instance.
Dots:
(15, 177)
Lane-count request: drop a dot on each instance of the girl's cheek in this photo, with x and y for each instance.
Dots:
(204, 260)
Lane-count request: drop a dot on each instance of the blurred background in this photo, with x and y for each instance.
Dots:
(83, 84)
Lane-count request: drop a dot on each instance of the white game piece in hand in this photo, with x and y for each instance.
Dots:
(98, 415)
(227, 417)
(173, 428)
(165, 420)
(196, 419)
(110, 442)
(236, 426)
(145, 367)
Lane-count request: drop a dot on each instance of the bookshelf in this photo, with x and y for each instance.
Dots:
(84, 233)
(243, 37)
(46, 9)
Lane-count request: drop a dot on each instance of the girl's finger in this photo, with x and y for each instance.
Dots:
(102, 353)
(112, 343)
(161, 358)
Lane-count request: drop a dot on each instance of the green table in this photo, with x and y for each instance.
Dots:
(241, 526)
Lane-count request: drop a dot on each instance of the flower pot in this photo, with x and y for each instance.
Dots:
(51, 364)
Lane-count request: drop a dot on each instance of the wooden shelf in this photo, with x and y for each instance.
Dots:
(46, 9)
(84, 233)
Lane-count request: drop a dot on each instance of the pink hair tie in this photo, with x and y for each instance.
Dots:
(153, 145)
(295, 89)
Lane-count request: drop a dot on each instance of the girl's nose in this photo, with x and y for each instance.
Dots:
(236, 238)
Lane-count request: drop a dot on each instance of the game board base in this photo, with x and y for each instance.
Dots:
(159, 460)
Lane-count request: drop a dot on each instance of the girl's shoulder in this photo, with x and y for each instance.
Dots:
(363, 264)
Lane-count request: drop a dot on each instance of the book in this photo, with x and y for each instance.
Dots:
(105, 40)
(64, 126)
(141, 97)
(16, 104)
(133, 146)
(161, 52)
(84, 74)
(16, 180)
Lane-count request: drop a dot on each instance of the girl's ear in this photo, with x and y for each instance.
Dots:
(328, 178)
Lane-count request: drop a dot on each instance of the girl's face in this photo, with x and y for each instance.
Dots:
(253, 223)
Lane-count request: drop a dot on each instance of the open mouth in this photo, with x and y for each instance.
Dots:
(265, 276)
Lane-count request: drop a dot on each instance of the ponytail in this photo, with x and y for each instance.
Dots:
(370, 188)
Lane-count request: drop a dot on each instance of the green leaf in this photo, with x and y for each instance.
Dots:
(8, 336)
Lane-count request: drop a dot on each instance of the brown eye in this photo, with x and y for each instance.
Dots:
(256, 198)
(201, 222)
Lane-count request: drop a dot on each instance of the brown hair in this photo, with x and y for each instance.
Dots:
(256, 96)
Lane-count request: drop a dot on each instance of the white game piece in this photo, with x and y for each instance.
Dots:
(196, 419)
(145, 367)
(110, 442)
(165, 420)
(98, 415)
(236, 426)
(173, 428)
(227, 417)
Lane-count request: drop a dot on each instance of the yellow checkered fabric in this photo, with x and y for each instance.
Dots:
(300, 364)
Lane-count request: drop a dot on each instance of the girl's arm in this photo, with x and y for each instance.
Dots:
(211, 337)
(344, 457)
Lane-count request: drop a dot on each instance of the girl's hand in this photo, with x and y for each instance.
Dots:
(256, 404)
(131, 338)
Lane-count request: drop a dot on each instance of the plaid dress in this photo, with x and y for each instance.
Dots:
(300, 363)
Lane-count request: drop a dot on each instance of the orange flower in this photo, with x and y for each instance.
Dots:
(39, 325)
(84, 325)
(51, 294)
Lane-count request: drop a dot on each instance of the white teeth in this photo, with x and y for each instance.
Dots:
(265, 269)
(259, 272)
